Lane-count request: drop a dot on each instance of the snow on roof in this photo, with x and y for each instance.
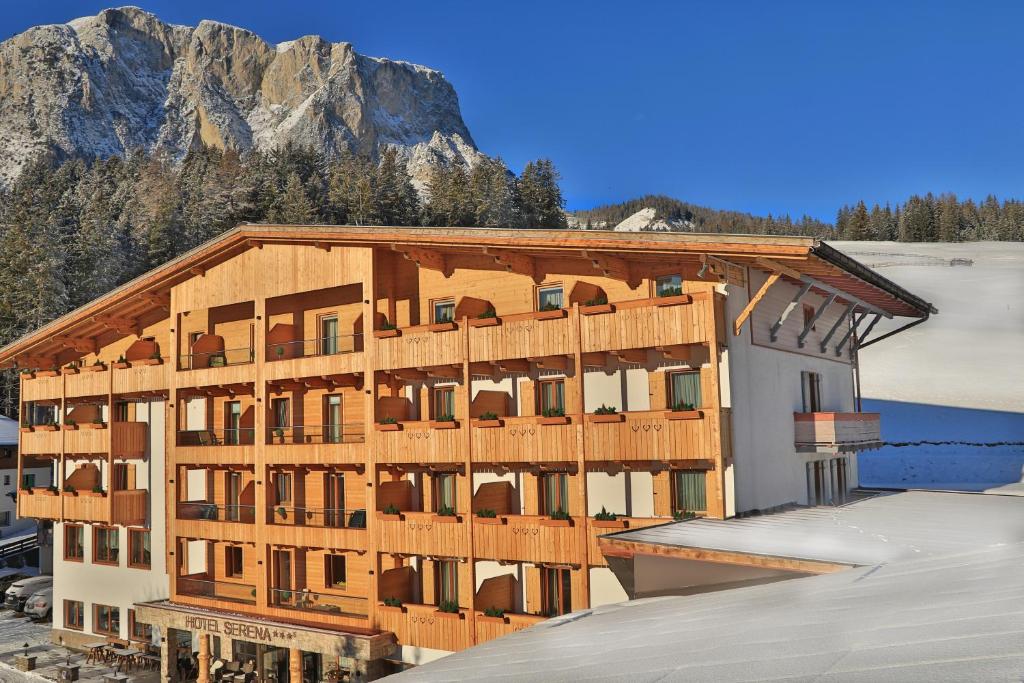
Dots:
(951, 611)
(880, 528)
(8, 431)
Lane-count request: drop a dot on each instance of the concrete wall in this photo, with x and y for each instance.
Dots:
(120, 586)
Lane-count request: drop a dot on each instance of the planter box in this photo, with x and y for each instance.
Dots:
(155, 361)
(677, 300)
(120, 366)
(608, 523)
(385, 517)
(491, 620)
(614, 417)
(684, 414)
(28, 375)
(449, 615)
(547, 521)
(597, 309)
(25, 430)
(69, 428)
(69, 371)
(444, 424)
(47, 373)
(495, 521)
(561, 420)
(25, 663)
(488, 424)
(484, 322)
(446, 519)
(45, 492)
(70, 494)
(92, 425)
(45, 428)
(443, 327)
(549, 315)
(94, 368)
(394, 427)
(93, 494)
(387, 334)
(391, 609)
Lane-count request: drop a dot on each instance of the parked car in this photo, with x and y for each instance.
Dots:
(39, 603)
(9, 577)
(20, 591)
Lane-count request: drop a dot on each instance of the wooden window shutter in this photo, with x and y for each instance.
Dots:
(527, 397)
(130, 477)
(533, 592)
(659, 395)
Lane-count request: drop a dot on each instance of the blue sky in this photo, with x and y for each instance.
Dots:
(781, 107)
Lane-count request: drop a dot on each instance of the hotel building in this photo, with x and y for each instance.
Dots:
(330, 449)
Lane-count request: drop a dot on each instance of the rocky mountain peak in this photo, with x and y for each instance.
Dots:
(123, 79)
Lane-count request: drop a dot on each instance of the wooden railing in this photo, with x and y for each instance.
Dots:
(652, 435)
(526, 538)
(524, 439)
(647, 323)
(424, 626)
(87, 383)
(419, 347)
(491, 628)
(42, 388)
(140, 378)
(87, 506)
(833, 432)
(423, 533)
(130, 506)
(522, 336)
(40, 442)
(39, 504)
(421, 442)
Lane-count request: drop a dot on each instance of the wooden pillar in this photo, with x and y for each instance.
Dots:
(581, 455)
(467, 444)
(204, 659)
(294, 665)
(262, 483)
(716, 506)
(171, 470)
(369, 408)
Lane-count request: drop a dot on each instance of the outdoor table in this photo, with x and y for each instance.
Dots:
(151, 661)
(95, 651)
(124, 657)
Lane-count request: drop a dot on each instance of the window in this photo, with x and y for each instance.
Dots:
(335, 571)
(105, 545)
(106, 619)
(551, 397)
(74, 615)
(444, 491)
(233, 509)
(556, 591)
(810, 383)
(549, 297)
(138, 549)
(444, 311)
(668, 285)
(282, 487)
(447, 581)
(5, 518)
(808, 316)
(328, 334)
(120, 411)
(689, 492)
(444, 402)
(122, 477)
(684, 390)
(233, 561)
(7, 480)
(332, 418)
(28, 481)
(138, 630)
(554, 493)
(281, 408)
(74, 542)
(232, 423)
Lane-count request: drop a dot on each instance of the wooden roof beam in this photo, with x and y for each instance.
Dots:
(809, 325)
(614, 267)
(119, 325)
(515, 263)
(773, 277)
(79, 344)
(424, 258)
(550, 362)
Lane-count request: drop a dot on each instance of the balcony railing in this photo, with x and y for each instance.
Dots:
(218, 590)
(216, 359)
(320, 603)
(835, 432)
(332, 518)
(201, 510)
(318, 434)
(217, 437)
(323, 346)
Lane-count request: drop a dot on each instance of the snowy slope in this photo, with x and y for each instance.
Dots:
(959, 377)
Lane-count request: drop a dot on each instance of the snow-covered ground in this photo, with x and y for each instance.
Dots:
(959, 377)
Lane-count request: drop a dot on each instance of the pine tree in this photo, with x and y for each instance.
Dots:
(857, 225)
(543, 204)
(294, 206)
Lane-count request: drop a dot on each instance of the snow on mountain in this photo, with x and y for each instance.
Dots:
(124, 79)
(647, 219)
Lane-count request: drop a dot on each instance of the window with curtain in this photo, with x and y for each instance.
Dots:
(551, 394)
(447, 581)
(684, 390)
(74, 615)
(690, 492)
(332, 418)
(138, 548)
(74, 542)
(328, 334)
(549, 297)
(282, 411)
(554, 493)
(444, 491)
(444, 402)
(811, 390)
(556, 591)
(105, 545)
(282, 487)
(444, 311)
(107, 620)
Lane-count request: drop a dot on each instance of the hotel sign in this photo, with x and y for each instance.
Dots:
(232, 628)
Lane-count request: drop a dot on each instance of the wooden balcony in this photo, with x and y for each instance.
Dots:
(122, 439)
(836, 432)
(345, 453)
(41, 442)
(418, 347)
(524, 439)
(526, 538)
(40, 504)
(201, 520)
(652, 435)
(42, 388)
(594, 531)
(424, 626)
(87, 382)
(139, 379)
(423, 533)
(130, 507)
(86, 506)
(489, 628)
(215, 455)
(522, 336)
(647, 323)
(198, 589)
(422, 442)
(313, 365)
(316, 528)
